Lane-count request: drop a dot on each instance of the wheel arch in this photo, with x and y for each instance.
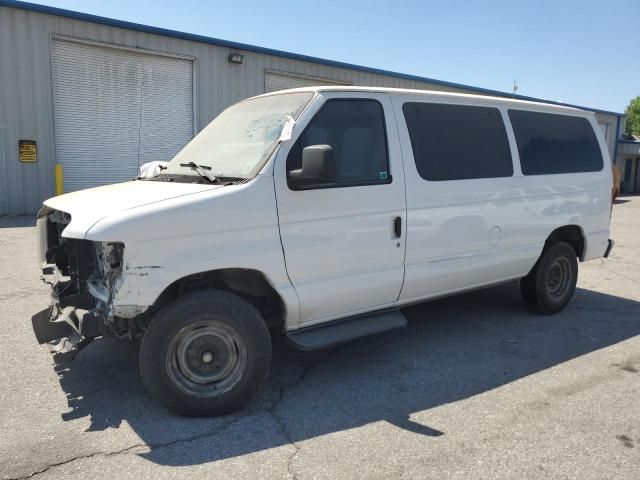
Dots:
(571, 234)
(252, 285)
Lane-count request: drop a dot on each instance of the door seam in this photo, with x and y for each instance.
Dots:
(284, 256)
(406, 210)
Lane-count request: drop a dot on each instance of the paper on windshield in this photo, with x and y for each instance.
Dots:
(151, 169)
(287, 129)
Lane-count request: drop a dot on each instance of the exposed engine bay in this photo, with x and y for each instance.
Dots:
(84, 276)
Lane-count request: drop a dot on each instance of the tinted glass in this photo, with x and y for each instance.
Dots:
(355, 130)
(550, 143)
(455, 142)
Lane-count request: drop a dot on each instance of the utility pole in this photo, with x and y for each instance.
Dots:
(515, 87)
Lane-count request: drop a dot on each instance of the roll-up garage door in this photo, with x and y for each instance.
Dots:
(117, 109)
(280, 81)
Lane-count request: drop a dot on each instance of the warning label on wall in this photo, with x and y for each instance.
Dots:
(27, 151)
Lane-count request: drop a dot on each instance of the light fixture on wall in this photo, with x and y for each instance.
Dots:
(235, 58)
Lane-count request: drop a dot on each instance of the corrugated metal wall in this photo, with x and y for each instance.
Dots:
(26, 104)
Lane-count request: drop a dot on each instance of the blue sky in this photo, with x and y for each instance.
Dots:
(582, 52)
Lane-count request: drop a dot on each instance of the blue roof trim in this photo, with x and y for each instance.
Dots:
(268, 51)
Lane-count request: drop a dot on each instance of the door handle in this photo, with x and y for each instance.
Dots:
(397, 227)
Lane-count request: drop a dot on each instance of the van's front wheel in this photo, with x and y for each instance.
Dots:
(205, 354)
(552, 281)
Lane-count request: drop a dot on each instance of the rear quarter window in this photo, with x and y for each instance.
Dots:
(457, 142)
(552, 144)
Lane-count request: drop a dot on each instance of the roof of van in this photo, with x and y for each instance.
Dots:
(486, 99)
(268, 51)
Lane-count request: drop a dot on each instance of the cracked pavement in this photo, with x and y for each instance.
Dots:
(476, 387)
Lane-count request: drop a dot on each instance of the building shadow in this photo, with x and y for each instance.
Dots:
(453, 349)
(17, 222)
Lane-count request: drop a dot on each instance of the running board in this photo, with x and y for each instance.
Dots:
(345, 330)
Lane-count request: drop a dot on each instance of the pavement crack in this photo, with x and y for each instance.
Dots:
(80, 457)
(211, 433)
(285, 433)
(279, 420)
(128, 450)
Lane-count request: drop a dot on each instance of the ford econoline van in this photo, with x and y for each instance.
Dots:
(317, 213)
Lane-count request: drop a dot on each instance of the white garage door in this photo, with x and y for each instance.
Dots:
(117, 109)
(280, 81)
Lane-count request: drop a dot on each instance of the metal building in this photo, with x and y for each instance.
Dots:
(93, 97)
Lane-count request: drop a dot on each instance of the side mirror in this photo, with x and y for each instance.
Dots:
(318, 166)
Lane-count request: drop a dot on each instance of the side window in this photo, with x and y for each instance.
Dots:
(550, 143)
(355, 129)
(457, 142)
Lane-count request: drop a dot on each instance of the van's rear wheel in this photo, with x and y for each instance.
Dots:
(552, 281)
(205, 354)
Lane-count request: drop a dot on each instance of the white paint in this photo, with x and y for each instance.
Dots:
(341, 254)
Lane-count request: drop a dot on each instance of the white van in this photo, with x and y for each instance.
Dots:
(318, 213)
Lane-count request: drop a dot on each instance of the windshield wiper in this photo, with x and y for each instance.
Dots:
(200, 170)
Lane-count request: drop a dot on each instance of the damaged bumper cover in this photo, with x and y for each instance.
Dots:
(70, 322)
(85, 277)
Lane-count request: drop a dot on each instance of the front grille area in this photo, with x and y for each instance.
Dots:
(73, 258)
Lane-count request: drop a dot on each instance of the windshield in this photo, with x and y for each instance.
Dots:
(239, 140)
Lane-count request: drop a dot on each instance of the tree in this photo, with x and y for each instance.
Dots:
(633, 116)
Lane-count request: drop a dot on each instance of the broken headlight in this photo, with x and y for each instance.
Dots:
(110, 257)
(108, 277)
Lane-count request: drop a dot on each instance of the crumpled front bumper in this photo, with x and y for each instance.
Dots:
(66, 265)
(69, 323)
(70, 317)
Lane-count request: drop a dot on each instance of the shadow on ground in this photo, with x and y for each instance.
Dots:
(453, 349)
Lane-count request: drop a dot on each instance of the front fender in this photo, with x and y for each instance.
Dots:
(230, 227)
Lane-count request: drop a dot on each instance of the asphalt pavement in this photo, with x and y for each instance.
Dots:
(477, 387)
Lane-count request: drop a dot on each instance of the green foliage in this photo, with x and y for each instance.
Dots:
(633, 116)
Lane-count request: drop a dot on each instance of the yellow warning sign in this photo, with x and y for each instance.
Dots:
(27, 151)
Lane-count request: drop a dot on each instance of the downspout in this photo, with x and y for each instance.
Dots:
(615, 147)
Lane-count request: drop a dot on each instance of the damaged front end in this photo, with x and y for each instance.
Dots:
(84, 276)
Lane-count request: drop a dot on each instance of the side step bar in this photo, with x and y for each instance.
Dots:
(345, 330)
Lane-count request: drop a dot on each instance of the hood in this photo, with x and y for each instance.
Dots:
(87, 207)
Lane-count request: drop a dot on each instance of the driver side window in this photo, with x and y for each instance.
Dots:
(355, 130)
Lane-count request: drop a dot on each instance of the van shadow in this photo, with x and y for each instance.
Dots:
(453, 349)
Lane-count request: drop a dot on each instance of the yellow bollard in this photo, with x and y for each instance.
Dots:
(59, 180)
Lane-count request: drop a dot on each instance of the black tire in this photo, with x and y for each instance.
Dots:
(528, 290)
(205, 354)
(551, 283)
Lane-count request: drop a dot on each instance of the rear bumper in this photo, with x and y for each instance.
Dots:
(609, 248)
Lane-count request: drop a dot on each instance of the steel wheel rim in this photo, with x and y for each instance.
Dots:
(559, 278)
(206, 359)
